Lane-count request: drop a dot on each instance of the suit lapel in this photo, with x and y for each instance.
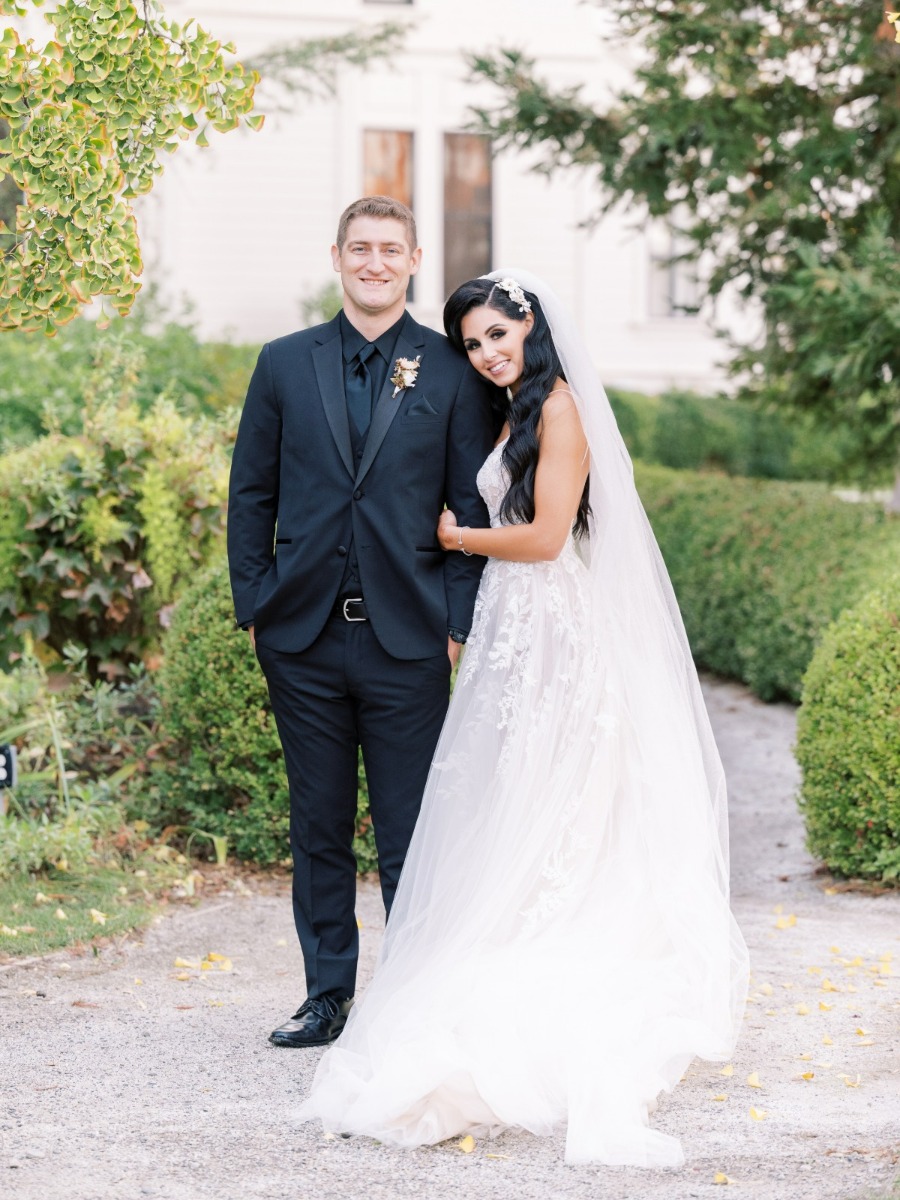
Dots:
(329, 366)
(409, 345)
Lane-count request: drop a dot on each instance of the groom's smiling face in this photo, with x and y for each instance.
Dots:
(375, 263)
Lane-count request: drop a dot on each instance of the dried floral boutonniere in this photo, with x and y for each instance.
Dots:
(406, 372)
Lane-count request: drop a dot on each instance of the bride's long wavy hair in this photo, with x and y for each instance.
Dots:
(541, 369)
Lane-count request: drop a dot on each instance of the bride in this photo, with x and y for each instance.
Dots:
(561, 944)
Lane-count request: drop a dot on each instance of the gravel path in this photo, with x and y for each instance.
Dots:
(124, 1076)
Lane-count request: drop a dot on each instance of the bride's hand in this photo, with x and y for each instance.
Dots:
(447, 531)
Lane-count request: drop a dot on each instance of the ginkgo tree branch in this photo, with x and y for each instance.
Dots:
(85, 120)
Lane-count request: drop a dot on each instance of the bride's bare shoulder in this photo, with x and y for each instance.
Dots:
(560, 406)
(559, 399)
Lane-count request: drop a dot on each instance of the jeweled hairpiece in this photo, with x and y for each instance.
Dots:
(515, 293)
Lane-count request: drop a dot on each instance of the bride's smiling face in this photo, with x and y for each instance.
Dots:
(495, 344)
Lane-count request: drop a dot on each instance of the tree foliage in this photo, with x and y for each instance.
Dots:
(88, 116)
(309, 67)
(771, 135)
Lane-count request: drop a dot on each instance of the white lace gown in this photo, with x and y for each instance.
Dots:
(535, 972)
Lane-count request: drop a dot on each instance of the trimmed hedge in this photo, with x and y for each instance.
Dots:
(693, 432)
(762, 568)
(848, 740)
(221, 767)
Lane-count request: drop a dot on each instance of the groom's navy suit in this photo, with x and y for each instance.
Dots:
(319, 510)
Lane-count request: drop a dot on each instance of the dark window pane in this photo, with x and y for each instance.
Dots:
(467, 208)
(388, 164)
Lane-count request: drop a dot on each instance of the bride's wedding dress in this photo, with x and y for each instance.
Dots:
(553, 958)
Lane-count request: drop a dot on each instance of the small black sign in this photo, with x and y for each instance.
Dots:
(7, 766)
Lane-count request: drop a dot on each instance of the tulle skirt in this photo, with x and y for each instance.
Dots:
(545, 964)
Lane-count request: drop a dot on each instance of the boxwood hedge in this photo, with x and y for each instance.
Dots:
(848, 740)
(761, 568)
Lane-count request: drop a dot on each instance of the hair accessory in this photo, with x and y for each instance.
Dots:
(515, 293)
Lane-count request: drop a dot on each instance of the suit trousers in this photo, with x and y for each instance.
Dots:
(342, 693)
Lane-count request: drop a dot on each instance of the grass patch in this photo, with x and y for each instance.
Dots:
(120, 899)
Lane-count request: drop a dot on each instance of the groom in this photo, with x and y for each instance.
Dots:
(354, 436)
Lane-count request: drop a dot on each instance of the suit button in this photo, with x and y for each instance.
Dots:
(342, 550)
(358, 494)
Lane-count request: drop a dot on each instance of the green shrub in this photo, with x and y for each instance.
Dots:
(99, 529)
(223, 769)
(848, 740)
(688, 431)
(43, 380)
(761, 568)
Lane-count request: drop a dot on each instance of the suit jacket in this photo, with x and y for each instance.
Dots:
(296, 494)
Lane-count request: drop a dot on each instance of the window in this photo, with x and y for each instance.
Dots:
(674, 289)
(467, 208)
(388, 168)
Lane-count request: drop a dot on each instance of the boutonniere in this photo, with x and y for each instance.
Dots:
(406, 372)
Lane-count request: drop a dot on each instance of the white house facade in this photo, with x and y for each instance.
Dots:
(243, 229)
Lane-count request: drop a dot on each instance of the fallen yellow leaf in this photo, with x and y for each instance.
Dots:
(467, 1144)
(860, 1032)
(98, 917)
(879, 983)
(206, 966)
(721, 1096)
(814, 970)
(727, 1071)
(138, 981)
(7, 931)
(753, 1080)
(40, 898)
(60, 915)
(802, 1010)
(827, 1041)
(213, 957)
(182, 976)
(887, 957)
(828, 986)
(721, 1177)
(766, 989)
(835, 949)
(503, 1156)
(786, 922)
(808, 1075)
(825, 1007)
(830, 891)
(849, 1081)
(805, 1057)
(758, 1114)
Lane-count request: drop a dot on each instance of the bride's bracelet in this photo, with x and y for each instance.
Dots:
(468, 553)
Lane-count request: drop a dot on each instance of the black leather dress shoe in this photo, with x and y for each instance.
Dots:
(315, 1023)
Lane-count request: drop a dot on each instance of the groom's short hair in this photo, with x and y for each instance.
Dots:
(377, 206)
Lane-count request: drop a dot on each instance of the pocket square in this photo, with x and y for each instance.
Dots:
(421, 407)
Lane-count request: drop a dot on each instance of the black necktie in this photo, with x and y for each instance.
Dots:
(359, 389)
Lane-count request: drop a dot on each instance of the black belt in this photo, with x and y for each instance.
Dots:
(350, 608)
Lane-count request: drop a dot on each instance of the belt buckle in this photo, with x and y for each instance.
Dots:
(352, 600)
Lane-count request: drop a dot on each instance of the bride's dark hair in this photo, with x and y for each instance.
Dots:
(541, 369)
